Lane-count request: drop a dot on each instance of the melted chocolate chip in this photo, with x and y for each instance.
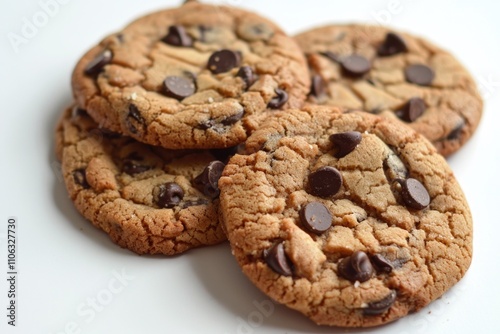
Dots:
(356, 267)
(394, 167)
(279, 100)
(107, 133)
(224, 154)
(332, 56)
(325, 182)
(218, 124)
(315, 217)
(259, 31)
(133, 167)
(393, 44)
(78, 112)
(356, 65)
(419, 74)
(276, 258)
(207, 181)
(80, 178)
(223, 61)
(380, 306)
(382, 264)
(234, 118)
(168, 195)
(135, 122)
(412, 110)
(456, 132)
(247, 75)
(178, 87)
(414, 194)
(318, 86)
(177, 36)
(207, 124)
(187, 204)
(97, 64)
(345, 142)
(120, 37)
(203, 32)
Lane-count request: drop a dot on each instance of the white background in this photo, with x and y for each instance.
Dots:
(64, 263)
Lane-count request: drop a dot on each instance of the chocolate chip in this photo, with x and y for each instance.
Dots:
(356, 65)
(120, 37)
(178, 87)
(382, 264)
(203, 32)
(345, 142)
(223, 61)
(133, 167)
(218, 124)
(276, 258)
(260, 31)
(207, 181)
(206, 124)
(394, 168)
(177, 36)
(247, 75)
(419, 74)
(456, 132)
(356, 267)
(393, 44)
(279, 100)
(168, 195)
(187, 204)
(318, 86)
(252, 32)
(332, 56)
(412, 110)
(234, 118)
(414, 194)
(380, 306)
(134, 121)
(98, 63)
(224, 154)
(78, 112)
(107, 133)
(315, 217)
(325, 182)
(80, 178)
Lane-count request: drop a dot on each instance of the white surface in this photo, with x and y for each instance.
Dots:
(64, 262)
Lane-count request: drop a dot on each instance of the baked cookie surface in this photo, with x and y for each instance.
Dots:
(147, 199)
(394, 74)
(191, 77)
(348, 218)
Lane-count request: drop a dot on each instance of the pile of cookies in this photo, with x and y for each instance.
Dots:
(320, 157)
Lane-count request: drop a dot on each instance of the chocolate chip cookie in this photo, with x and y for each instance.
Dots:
(349, 218)
(394, 74)
(191, 77)
(148, 199)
